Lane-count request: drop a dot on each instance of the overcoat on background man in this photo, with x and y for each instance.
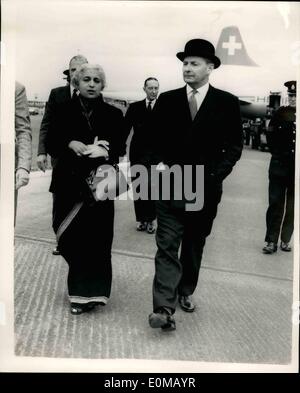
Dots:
(139, 116)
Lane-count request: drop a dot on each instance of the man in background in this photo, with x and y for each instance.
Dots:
(23, 140)
(57, 97)
(139, 117)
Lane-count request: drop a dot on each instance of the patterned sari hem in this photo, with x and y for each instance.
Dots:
(86, 299)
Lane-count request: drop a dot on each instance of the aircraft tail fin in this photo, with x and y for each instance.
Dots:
(231, 48)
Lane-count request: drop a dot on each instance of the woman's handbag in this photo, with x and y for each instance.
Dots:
(107, 182)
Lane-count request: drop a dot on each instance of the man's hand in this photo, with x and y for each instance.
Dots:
(22, 178)
(78, 147)
(42, 162)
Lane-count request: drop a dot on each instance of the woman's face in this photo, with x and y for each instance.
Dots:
(90, 85)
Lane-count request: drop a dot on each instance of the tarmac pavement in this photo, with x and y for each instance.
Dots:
(243, 298)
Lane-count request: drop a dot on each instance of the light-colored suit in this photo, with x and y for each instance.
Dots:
(23, 134)
(23, 138)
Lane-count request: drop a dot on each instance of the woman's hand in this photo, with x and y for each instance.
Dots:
(103, 143)
(78, 147)
(95, 151)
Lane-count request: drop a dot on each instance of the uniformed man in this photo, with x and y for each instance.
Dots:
(282, 138)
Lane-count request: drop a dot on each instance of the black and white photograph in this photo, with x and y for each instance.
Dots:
(149, 195)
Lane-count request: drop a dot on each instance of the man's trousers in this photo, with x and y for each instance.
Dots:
(176, 275)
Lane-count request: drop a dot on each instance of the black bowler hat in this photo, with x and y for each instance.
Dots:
(201, 48)
(292, 87)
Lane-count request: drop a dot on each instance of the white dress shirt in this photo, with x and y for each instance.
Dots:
(151, 102)
(72, 88)
(200, 95)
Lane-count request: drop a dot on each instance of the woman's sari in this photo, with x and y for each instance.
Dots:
(84, 228)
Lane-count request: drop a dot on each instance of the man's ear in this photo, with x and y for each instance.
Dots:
(210, 67)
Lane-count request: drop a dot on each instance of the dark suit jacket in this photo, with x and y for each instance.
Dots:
(69, 124)
(141, 146)
(58, 96)
(214, 139)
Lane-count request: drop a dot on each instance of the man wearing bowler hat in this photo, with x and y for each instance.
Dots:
(196, 125)
(282, 139)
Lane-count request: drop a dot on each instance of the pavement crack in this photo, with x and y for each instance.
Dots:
(151, 257)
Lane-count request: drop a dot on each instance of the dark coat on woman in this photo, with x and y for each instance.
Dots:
(70, 124)
(84, 228)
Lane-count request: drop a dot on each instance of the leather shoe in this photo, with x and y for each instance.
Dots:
(56, 251)
(150, 227)
(141, 226)
(186, 303)
(80, 308)
(162, 319)
(270, 248)
(285, 247)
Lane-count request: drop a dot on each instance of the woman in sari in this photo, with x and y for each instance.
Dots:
(86, 133)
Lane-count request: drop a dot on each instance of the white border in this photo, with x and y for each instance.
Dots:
(10, 362)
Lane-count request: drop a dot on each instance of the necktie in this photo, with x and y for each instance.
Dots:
(74, 94)
(149, 107)
(193, 104)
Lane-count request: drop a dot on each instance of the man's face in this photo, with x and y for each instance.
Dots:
(74, 65)
(196, 71)
(151, 89)
(90, 85)
(292, 100)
